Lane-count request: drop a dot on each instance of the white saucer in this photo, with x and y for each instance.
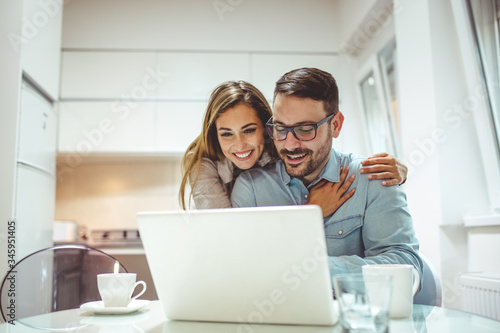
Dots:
(99, 308)
(114, 320)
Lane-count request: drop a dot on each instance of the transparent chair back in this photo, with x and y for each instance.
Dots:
(54, 279)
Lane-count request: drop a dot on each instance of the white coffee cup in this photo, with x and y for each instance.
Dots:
(405, 283)
(116, 289)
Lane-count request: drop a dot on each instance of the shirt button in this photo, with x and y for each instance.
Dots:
(340, 232)
(305, 196)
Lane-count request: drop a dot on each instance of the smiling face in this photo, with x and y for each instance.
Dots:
(241, 135)
(304, 159)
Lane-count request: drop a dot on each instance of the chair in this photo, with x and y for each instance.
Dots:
(430, 292)
(56, 278)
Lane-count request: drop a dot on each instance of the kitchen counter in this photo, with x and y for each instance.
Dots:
(122, 250)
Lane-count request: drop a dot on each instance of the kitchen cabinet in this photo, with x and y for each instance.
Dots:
(177, 125)
(35, 172)
(41, 45)
(104, 75)
(119, 128)
(106, 127)
(196, 74)
(38, 130)
(153, 102)
(145, 75)
(139, 102)
(34, 210)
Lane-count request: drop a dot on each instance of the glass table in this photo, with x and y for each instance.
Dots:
(151, 319)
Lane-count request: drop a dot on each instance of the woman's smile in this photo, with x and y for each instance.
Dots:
(244, 155)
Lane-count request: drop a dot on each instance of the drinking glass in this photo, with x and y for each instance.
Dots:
(364, 301)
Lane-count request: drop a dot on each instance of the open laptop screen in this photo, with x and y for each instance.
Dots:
(247, 265)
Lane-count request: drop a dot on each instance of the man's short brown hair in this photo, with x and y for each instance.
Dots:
(310, 83)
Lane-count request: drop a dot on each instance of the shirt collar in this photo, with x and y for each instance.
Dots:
(331, 171)
(265, 158)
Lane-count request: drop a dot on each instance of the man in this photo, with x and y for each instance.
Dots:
(372, 227)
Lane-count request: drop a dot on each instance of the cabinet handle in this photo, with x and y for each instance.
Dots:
(45, 116)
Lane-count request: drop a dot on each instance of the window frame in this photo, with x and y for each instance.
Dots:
(482, 115)
(372, 66)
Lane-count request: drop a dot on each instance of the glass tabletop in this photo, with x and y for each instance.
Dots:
(151, 319)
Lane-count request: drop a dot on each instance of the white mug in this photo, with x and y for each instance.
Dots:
(405, 283)
(116, 289)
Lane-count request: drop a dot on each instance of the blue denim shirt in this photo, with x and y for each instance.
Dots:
(372, 227)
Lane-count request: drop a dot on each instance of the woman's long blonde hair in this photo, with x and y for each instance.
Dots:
(223, 97)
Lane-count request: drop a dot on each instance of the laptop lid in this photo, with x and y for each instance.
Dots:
(245, 265)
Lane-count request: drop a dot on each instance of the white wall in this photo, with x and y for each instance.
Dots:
(258, 25)
(350, 15)
(418, 119)
(459, 154)
(439, 143)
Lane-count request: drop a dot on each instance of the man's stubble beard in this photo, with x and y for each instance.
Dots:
(314, 162)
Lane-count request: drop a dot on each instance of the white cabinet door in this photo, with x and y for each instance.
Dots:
(195, 75)
(38, 131)
(178, 124)
(95, 75)
(41, 46)
(102, 127)
(268, 68)
(34, 211)
(136, 75)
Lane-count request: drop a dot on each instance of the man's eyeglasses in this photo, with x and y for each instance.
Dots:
(300, 132)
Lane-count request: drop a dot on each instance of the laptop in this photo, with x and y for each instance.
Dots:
(242, 265)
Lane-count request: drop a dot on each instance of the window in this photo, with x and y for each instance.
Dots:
(387, 61)
(477, 27)
(485, 19)
(379, 99)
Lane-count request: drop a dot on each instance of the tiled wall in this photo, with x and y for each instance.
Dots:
(108, 195)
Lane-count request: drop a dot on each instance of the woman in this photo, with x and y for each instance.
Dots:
(233, 139)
